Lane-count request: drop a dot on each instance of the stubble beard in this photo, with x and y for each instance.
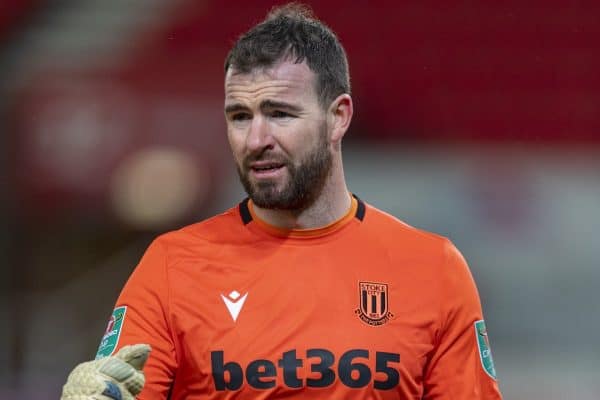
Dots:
(304, 184)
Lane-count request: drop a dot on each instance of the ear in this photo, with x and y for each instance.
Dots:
(339, 116)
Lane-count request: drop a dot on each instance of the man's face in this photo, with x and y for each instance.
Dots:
(278, 134)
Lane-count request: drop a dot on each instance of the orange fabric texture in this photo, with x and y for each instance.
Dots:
(365, 308)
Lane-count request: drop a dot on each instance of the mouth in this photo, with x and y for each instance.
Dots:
(266, 169)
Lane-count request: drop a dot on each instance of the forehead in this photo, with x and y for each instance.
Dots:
(284, 80)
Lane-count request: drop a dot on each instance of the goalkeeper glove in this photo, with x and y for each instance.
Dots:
(118, 377)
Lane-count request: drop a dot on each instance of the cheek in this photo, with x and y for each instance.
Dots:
(298, 141)
(236, 145)
(303, 147)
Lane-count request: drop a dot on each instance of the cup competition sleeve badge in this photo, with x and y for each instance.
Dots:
(110, 339)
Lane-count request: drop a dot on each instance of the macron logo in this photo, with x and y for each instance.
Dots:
(234, 303)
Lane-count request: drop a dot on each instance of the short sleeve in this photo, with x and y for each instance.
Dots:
(460, 366)
(144, 302)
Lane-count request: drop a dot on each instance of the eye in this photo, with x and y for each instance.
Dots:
(240, 116)
(281, 114)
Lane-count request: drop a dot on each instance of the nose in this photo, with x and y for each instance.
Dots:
(259, 136)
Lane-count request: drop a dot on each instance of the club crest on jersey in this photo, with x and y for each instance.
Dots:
(373, 300)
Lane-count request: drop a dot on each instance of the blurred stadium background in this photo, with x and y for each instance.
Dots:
(477, 120)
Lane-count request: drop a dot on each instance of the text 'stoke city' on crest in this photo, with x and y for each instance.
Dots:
(373, 303)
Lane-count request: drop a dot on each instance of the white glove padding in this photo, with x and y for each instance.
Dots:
(118, 377)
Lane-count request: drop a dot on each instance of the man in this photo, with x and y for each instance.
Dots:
(302, 290)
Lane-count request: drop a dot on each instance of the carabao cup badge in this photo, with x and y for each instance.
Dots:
(373, 300)
(485, 352)
(110, 339)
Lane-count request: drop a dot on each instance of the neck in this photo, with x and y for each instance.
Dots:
(331, 205)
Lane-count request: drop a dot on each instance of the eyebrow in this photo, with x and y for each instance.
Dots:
(235, 107)
(270, 104)
(264, 105)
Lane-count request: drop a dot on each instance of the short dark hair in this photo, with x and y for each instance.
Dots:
(293, 31)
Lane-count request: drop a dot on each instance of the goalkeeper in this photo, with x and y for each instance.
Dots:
(302, 290)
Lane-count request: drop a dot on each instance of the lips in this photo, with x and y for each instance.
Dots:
(266, 169)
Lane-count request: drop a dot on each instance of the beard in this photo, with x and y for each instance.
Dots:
(304, 184)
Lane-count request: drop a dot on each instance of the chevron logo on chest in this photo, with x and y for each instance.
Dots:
(234, 302)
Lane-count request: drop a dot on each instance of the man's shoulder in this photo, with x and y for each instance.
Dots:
(389, 227)
(402, 240)
(219, 228)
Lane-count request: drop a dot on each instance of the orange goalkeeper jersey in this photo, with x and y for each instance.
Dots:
(365, 308)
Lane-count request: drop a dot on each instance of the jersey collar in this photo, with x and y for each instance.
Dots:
(357, 210)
